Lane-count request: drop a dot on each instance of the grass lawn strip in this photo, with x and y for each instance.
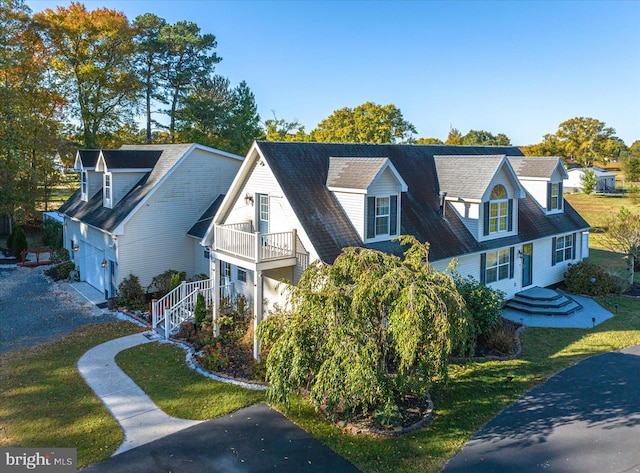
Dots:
(476, 392)
(44, 402)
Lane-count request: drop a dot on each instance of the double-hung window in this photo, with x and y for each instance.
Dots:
(107, 190)
(84, 185)
(498, 210)
(563, 248)
(554, 196)
(382, 216)
(498, 266)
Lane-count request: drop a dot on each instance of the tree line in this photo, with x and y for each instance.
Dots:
(72, 78)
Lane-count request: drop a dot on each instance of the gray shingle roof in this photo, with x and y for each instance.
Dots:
(131, 158)
(200, 228)
(89, 157)
(94, 214)
(354, 173)
(534, 166)
(466, 176)
(302, 169)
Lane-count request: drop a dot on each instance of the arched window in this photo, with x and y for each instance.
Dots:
(498, 210)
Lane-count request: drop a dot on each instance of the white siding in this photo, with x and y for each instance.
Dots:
(353, 206)
(200, 264)
(537, 189)
(155, 240)
(282, 217)
(122, 183)
(470, 215)
(386, 184)
(94, 183)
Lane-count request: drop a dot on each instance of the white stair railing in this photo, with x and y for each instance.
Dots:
(166, 307)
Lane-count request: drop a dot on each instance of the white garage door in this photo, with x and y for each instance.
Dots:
(91, 269)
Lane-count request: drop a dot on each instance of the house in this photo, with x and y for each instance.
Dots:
(500, 214)
(135, 207)
(606, 180)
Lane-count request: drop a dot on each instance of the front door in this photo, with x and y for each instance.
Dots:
(527, 264)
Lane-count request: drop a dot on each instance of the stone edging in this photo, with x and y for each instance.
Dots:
(513, 356)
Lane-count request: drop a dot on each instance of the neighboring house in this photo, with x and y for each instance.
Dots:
(606, 180)
(135, 206)
(500, 214)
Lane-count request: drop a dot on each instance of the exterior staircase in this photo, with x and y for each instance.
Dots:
(541, 301)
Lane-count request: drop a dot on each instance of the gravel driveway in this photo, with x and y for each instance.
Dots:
(34, 310)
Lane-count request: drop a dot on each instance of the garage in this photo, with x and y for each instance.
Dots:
(91, 269)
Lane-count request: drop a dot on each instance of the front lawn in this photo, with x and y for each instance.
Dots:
(44, 402)
(476, 392)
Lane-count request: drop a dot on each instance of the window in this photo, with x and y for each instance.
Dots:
(242, 275)
(564, 248)
(225, 272)
(498, 266)
(107, 189)
(84, 185)
(554, 196)
(207, 253)
(382, 216)
(498, 210)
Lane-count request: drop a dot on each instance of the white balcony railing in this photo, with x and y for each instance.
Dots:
(257, 247)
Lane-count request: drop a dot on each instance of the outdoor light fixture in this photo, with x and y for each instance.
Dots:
(76, 248)
(104, 263)
(248, 199)
(520, 254)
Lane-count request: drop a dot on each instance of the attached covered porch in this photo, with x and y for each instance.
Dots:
(260, 253)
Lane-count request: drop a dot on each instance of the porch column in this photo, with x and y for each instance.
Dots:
(216, 296)
(257, 311)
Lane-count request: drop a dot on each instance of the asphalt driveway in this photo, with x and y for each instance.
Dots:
(34, 310)
(584, 419)
(253, 439)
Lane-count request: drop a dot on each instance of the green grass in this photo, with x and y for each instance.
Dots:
(475, 393)
(44, 402)
(160, 370)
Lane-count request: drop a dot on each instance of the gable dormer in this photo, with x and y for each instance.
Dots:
(483, 190)
(369, 191)
(121, 170)
(542, 177)
(85, 164)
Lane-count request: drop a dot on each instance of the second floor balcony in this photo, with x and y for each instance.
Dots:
(240, 241)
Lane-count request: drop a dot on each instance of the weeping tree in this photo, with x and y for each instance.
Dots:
(366, 331)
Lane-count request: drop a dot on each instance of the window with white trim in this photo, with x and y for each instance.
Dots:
(84, 185)
(382, 216)
(555, 195)
(498, 266)
(564, 248)
(498, 210)
(242, 275)
(207, 253)
(107, 190)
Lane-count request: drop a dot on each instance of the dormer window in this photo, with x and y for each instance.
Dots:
(554, 196)
(107, 190)
(84, 186)
(498, 210)
(382, 216)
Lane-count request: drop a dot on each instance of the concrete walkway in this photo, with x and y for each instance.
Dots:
(141, 420)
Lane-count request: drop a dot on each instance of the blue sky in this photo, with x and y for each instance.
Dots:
(514, 67)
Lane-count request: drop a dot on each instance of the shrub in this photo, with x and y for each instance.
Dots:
(18, 241)
(500, 339)
(587, 278)
(52, 234)
(175, 281)
(213, 357)
(619, 285)
(61, 271)
(161, 284)
(61, 255)
(131, 294)
(483, 304)
(200, 311)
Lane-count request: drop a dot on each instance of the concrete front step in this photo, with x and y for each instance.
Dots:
(540, 301)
